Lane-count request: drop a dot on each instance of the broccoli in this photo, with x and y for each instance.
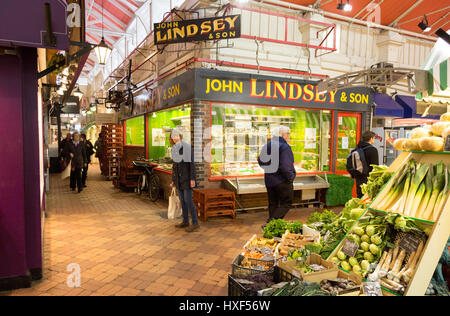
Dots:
(314, 248)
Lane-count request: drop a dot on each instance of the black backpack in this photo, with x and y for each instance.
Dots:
(357, 164)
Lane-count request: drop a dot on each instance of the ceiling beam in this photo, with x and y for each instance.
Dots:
(364, 9)
(132, 6)
(110, 16)
(401, 16)
(108, 32)
(122, 8)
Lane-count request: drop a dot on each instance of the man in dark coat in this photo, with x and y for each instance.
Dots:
(277, 160)
(77, 152)
(89, 153)
(371, 156)
(183, 178)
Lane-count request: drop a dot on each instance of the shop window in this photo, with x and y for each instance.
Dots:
(348, 137)
(160, 125)
(135, 131)
(238, 133)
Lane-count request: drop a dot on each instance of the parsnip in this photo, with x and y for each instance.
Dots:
(394, 257)
(412, 267)
(397, 265)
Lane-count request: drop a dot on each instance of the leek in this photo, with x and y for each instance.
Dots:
(420, 208)
(417, 179)
(438, 186)
(393, 198)
(392, 192)
(440, 203)
(409, 175)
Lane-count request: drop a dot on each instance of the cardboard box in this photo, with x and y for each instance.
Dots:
(331, 272)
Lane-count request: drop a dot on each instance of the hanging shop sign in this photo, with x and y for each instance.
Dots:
(215, 28)
(256, 89)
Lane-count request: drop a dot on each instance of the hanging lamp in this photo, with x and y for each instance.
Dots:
(102, 50)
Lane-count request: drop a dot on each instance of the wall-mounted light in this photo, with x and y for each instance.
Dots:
(424, 24)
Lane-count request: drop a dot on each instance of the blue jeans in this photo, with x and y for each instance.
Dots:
(187, 205)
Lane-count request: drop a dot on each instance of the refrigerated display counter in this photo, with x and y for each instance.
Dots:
(250, 191)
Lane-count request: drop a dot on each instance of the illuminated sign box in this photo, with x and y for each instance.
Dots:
(197, 30)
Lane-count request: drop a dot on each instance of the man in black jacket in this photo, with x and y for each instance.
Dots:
(371, 156)
(277, 160)
(183, 178)
(77, 151)
(89, 153)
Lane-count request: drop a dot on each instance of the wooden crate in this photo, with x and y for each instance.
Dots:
(214, 202)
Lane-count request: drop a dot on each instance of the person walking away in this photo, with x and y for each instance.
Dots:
(77, 151)
(361, 159)
(63, 154)
(89, 153)
(98, 148)
(183, 179)
(277, 160)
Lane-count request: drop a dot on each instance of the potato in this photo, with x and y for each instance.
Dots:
(398, 143)
(445, 117)
(439, 127)
(411, 145)
(420, 132)
(431, 143)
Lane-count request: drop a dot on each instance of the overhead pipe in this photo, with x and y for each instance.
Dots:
(273, 4)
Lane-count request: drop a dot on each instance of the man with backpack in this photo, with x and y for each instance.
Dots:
(361, 159)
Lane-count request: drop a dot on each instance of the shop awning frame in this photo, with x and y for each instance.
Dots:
(386, 106)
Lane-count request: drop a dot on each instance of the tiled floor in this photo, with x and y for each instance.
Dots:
(125, 247)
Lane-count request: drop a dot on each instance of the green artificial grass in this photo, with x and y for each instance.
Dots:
(340, 190)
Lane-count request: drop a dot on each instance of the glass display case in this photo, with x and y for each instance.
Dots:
(238, 132)
(160, 125)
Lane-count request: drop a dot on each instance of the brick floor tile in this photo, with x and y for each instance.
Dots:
(124, 246)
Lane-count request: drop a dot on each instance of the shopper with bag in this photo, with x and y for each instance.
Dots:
(183, 177)
(361, 159)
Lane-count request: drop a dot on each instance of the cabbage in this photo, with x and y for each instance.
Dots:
(365, 238)
(365, 265)
(346, 266)
(373, 249)
(353, 261)
(358, 231)
(370, 231)
(369, 256)
(341, 255)
(375, 239)
(365, 246)
(356, 268)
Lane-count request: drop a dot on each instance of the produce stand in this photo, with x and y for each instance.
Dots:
(307, 190)
(410, 252)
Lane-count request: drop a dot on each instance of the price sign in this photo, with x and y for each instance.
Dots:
(447, 143)
(350, 248)
(372, 289)
(410, 243)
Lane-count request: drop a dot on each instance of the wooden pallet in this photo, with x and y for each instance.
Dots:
(214, 202)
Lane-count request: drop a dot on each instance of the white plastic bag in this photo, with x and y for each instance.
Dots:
(174, 210)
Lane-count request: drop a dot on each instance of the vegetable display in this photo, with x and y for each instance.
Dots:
(376, 180)
(255, 283)
(299, 288)
(370, 236)
(277, 227)
(337, 285)
(293, 242)
(420, 191)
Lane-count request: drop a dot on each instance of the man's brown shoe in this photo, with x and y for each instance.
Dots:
(182, 225)
(193, 228)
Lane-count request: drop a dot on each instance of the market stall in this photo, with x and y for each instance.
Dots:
(387, 243)
(235, 113)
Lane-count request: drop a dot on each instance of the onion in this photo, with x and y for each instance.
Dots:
(439, 127)
(398, 143)
(411, 145)
(420, 132)
(431, 144)
(445, 117)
